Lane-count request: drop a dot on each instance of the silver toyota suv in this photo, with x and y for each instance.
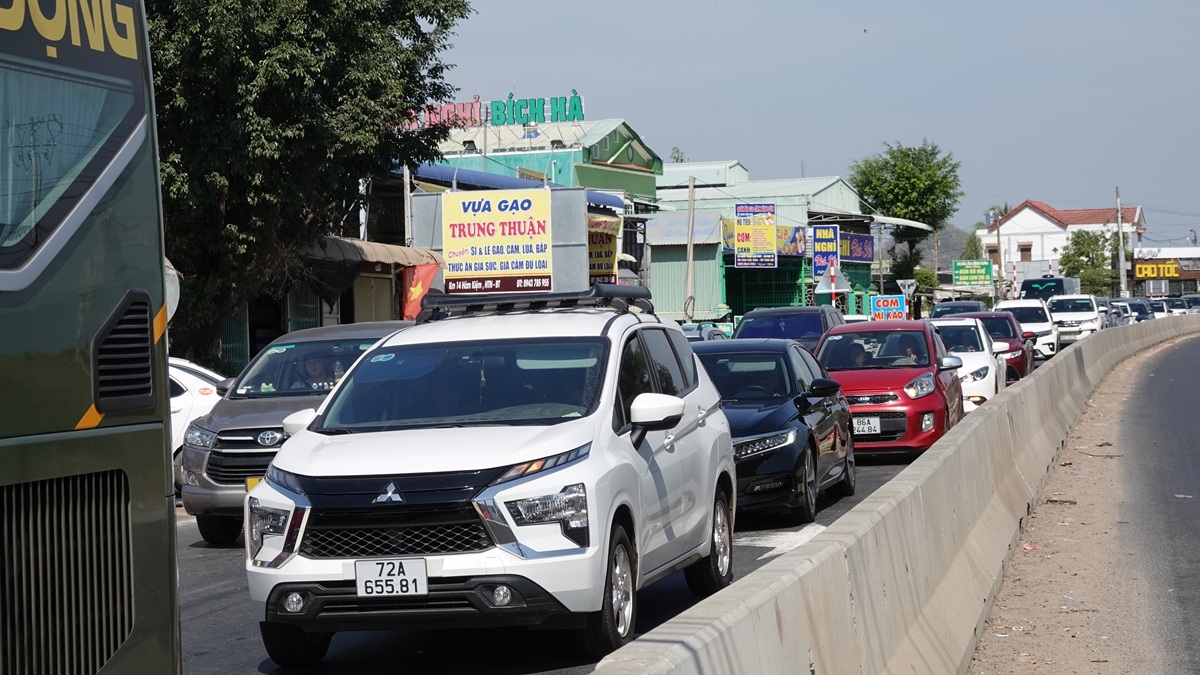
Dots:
(237, 439)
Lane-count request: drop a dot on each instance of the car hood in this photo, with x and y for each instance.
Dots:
(428, 450)
(244, 413)
(1037, 327)
(972, 361)
(872, 380)
(748, 418)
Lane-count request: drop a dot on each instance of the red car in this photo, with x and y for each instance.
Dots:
(1004, 327)
(901, 383)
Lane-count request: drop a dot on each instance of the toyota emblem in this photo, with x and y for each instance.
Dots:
(269, 438)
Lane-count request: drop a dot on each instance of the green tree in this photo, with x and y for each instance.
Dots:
(270, 113)
(1089, 256)
(974, 249)
(918, 183)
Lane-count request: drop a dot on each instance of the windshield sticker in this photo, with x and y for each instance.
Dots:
(242, 390)
(280, 349)
(572, 414)
(365, 346)
(834, 337)
(382, 357)
(267, 388)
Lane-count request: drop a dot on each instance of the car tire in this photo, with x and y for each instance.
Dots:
(219, 530)
(806, 511)
(845, 487)
(715, 570)
(612, 626)
(289, 645)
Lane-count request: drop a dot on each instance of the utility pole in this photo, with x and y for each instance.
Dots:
(689, 299)
(408, 233)
(993, 220)
(1120, 246)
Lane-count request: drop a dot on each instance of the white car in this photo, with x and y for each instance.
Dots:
(983, 372)
(527, 466)
(193, 394)
(1125, 315)
(1034, 317)
(1077, 316)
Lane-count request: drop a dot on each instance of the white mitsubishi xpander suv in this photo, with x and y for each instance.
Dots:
(523, 460)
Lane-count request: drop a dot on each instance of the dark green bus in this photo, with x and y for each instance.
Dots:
(87, 525)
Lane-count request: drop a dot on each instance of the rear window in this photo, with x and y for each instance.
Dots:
(791, 326)
(999, 328)
(1071, 305)
(1028, 314)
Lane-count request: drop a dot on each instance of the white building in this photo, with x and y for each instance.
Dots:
(1037, 231)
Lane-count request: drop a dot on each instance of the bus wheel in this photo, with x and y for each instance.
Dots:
(219, 529)
(289, 645)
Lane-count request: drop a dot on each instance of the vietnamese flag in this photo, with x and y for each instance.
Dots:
(417, 280)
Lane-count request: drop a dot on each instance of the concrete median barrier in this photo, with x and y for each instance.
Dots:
(904, 581)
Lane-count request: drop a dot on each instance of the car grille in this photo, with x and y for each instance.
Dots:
(1067, 324)
(892, 426)
(247, 439)
(872, 399)
(360, 533)
(235, 468)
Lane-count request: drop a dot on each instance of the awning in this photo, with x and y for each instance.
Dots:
(481, 179)
(356, 250)
(903, 222)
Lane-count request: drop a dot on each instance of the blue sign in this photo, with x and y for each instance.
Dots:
(825, 249)
(859, 248)
(889, 307)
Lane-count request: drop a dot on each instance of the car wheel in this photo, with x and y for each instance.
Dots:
(714, 571)
(289, 645)
(219, 529)
(845, 487)
(806, 511)
(612, 626)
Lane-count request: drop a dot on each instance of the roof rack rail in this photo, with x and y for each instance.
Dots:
(620, 298)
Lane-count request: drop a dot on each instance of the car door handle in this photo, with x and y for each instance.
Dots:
(701, 415)
(175, 410)
(668, 440)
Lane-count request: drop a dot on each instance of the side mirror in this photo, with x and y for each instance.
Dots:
(1028, 335)
(224, 386)
(999, 348)
(949, 363)
(298, 421)
(652, 412)
(822, 387)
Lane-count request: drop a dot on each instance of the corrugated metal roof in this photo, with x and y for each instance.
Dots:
(518, 137)
(446, 174)
(728, 172)
(755, 189)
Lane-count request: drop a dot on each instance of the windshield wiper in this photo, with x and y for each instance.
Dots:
(335, 431)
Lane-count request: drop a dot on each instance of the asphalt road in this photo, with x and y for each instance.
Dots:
(220, 629)
(1162, 507)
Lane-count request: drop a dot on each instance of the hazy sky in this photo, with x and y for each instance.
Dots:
(1058, 101)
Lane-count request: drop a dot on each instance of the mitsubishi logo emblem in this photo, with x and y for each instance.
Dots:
(389, 494)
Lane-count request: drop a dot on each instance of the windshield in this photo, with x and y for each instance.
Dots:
(792, 326)
(533, 381)
(999, 327)
(961, 338)
(299, 369)
(749, 376)
(947, 309)
(1158, 305)
(1071, 305)
(874, 349)
(1028, 314)
(1176, 303)
(1193, 301)
(1139, 308)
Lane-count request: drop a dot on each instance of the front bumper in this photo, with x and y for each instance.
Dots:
(767, 481)
(457, 602)
(1046, 346)
(1071, 335)
(901, 426)
(208, 497)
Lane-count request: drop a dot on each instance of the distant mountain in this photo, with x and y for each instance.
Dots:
(951, 242)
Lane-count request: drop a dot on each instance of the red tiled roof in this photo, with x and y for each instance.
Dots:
(1067, 217)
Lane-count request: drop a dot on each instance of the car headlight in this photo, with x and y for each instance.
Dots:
(975, 375)
(923, 385)
(757, 445)
(568, 507)
(543, 464)
(1090, 325)
(284, 479)
(265, 521)
(198, 437)
(1012, 355)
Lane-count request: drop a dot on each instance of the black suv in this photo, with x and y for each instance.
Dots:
(948, 307)
(805, 325)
